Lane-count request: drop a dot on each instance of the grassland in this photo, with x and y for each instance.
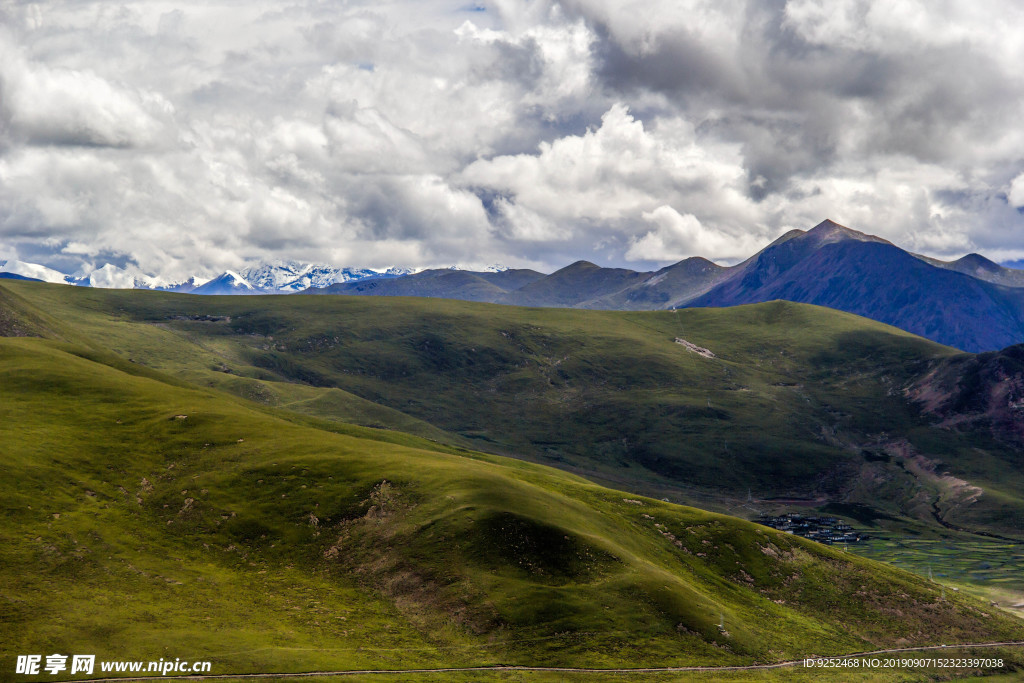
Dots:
(181, 477)
(146, 518)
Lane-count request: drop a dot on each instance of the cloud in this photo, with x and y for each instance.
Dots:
(600, 174)
(675, 237)
(111, 277)
(58, 106)
(1016, 194)
(187, 139)
(597, 187)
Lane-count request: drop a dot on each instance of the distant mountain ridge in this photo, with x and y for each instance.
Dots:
(269, 277)
(972, 303)
(295, 276)
(579, 285)
(484, 286)
(980, 267)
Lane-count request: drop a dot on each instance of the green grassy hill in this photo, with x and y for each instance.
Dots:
(798, 401)
(144, 518)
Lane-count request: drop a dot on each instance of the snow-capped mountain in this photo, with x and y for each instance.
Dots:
(229, 282)
(275, 277)
(493, 268)
(294, 276)
(395, 271)
(34, 271)
(110, 276)
(184, 287)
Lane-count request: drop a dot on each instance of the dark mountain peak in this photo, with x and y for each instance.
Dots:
(834, 266)
(697, 260)
(793, 249)
(977, 266)
(829, 231)
(978, 262)
(694, 264)
(577, 267)
(576, 285)
(828, 224)
(829, 227)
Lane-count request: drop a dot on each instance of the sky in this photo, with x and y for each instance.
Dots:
(181, 138)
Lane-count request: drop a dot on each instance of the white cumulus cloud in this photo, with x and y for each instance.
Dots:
(676, 236)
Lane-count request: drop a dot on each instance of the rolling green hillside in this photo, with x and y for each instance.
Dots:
(146, 518)
(797, 402)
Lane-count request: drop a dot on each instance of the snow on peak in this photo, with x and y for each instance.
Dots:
(294, 276)
(396, 271)
(277, 276)
(228, 282)
(233, 279)
(493, 268)
(33, 270)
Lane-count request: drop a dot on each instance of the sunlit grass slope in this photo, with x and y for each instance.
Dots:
(798, 401)
(146, 519)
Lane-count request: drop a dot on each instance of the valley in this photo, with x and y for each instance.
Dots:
(336, 470)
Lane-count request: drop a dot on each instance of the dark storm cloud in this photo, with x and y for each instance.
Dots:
(679, 65)
(792, 103)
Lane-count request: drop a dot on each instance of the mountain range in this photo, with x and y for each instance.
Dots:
(273, 277)
(971, 304)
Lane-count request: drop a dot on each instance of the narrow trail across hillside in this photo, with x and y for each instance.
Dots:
(559, 669)
(937, 514)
